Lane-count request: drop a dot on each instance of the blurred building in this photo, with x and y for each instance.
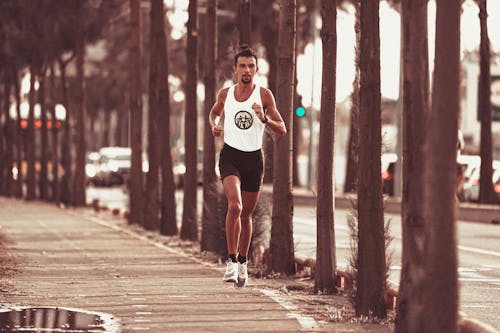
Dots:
(469, 120)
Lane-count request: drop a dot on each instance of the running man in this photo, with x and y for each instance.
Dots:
(248, 109)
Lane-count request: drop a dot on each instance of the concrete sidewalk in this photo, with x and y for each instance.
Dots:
(73, 258)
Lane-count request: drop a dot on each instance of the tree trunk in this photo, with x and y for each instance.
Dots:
(297, 136)
(486, 192)
(152, 200)
(3, 145)
(370, 294)
(270, 40)
(324, 277)
(55, 136)
(440, 296)
(281, 249)
(415, 110)
(30, 139)
(245, 22)
(44, 139)
(106, 125)
(297, 124)
(189, 228)
(66, 157)
(18, 136)
(209, 229)
(168, 224)
(9, 142)
(79, 195)
(351, 175)
(136, 178)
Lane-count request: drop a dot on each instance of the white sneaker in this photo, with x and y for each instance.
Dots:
(242, 274)
(231, 274)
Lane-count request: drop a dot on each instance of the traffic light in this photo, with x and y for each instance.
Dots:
(300, 111)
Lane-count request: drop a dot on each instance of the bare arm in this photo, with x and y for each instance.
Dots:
(216, 112)
(274, 122)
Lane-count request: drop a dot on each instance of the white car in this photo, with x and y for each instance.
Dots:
(114, 166)
(471, 186)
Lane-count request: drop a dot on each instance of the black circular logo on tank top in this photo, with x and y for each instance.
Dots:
(243, 120)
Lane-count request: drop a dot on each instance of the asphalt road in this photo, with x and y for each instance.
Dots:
(478, 244)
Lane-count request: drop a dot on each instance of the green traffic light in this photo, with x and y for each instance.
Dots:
(300, 111)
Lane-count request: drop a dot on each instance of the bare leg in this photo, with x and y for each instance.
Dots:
(249, 200)
(234, 208)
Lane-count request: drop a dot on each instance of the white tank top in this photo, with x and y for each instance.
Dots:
(243, 130)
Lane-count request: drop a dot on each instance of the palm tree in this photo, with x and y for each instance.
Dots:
(44, 137)
(66, 158)
(324, 277)
(269, 36)
(30, 139)
(440, 292)
(245, 22)
(8, 131)
(18, 136)
(371, 251)
(79, 194)
(168, 225)
(209, 229)
(189, 228)
(55, 137)
(415, 110)
(351, 175)
(281, 247)
(136, 178)
(486, 192)
(152, 203)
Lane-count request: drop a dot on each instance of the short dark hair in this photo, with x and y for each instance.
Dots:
(245, 51)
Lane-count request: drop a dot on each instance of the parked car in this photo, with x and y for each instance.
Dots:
(471, 188)
(496, 183)
(388, 161)
(468, 163)
(114, 166)
(179, 169)
(92, 166)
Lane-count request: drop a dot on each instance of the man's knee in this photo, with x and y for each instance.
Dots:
(234, 208)
(246, 219)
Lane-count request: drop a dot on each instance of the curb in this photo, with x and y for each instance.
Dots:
(344, 280)
(470, 212)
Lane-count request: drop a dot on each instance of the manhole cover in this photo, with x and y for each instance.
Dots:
(48, 319)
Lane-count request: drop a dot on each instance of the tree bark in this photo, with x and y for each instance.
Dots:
(18, 136)
(351, 176)
(415, 110)
(189, 228)
(282, 258)
(30, 139)
(9, 131)
(79, 195)
(486, 192)
(152, 198)
(136, 176)
(66, 155)
(168, 225)
(440, 290)
(209, 230)
(55, 137)
(245, 22)
(44, 139)
(324, 277)
(3, 143)
(370, 294)
(270, 40)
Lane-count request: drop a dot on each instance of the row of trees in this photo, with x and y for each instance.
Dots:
(31, 43)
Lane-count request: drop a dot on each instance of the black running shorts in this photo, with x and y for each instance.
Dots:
(247, 166)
